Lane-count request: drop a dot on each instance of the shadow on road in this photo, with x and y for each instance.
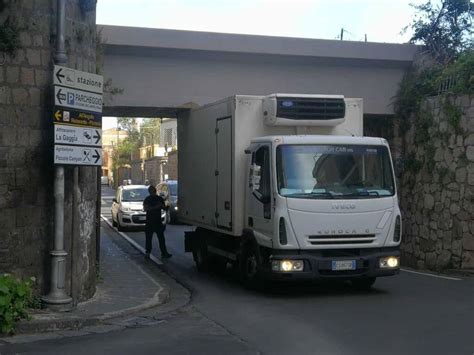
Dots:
(229, 278)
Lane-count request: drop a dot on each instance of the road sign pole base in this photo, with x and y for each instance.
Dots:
(57, 299)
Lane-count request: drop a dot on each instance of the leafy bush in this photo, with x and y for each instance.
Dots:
(462, 70)
(15, 298)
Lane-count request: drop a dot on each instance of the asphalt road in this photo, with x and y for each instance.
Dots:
(407, 314)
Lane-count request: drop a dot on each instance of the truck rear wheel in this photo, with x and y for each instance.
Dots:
(200, 254)
(364, 283)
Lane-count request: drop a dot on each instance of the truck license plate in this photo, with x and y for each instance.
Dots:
(338, 265)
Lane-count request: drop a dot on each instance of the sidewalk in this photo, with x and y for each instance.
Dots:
(125, 288)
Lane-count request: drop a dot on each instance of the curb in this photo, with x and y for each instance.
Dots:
(76, 323)
(73, 322)
(130, 241)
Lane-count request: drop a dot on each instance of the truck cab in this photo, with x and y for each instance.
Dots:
(323, 207)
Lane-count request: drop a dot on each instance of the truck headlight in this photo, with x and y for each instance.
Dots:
(397, 231)
(389, 262)
(287, 265)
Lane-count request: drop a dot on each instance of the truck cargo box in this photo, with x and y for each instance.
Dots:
(212, 141)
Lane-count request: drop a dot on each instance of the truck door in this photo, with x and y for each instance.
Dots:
(224, 173)
(260, 204)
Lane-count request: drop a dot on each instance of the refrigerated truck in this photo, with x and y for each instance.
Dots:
(286, 187)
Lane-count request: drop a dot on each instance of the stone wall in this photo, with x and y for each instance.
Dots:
(153, 170)
(437, 186)
(26, 148)
(171, 167)
(136, 172)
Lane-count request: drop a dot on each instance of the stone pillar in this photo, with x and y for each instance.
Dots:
(26, 145)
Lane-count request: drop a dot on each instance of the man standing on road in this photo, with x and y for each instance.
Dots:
(153, 205)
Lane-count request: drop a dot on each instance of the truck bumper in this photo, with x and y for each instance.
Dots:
(318, 264)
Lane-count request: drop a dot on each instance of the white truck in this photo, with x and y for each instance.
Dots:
(285, 187)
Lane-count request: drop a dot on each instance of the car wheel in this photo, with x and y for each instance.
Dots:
(113, 222)
(363, 284)
(120, 228)
(250, 268)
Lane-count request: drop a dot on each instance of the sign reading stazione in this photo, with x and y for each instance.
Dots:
(77, 79)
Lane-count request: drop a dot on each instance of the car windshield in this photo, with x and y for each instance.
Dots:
(334, 171)
(131, 195)
(173, 188)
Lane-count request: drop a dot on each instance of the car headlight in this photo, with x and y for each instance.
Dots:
(125, 209)
(287, 265)
(175, 208)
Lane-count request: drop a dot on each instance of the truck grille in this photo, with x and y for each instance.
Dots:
(341, 239)
(310, 108)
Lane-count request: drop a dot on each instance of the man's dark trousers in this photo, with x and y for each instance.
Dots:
(157, 228)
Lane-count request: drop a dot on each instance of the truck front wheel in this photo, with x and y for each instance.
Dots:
(250, 268)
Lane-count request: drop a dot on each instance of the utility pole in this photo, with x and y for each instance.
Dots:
(57, 298)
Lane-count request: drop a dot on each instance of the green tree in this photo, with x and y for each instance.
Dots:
(130, 125)
(150, 131)
(444, 29)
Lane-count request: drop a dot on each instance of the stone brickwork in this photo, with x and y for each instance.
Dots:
(437, 187)
(136, 172)
(154, 170)
(171, 167)
(26, 148)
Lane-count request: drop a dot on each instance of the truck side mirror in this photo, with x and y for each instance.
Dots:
(255, 177)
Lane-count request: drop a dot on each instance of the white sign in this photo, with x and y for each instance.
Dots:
(77, 135)
(77, 79)
(77, 99)
(74, 155)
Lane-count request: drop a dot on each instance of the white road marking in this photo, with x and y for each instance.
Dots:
(432, 275)
(131, 241)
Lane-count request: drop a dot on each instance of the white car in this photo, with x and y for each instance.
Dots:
(127, 207)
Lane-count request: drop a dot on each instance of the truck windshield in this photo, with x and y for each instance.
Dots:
(334, 171)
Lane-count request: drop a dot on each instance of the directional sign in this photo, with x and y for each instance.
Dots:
(91, 137)
(77, 79)
(74, 117)
(77, 99)
(74, 155)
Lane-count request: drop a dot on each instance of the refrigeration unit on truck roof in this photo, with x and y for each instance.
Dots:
(304, 110)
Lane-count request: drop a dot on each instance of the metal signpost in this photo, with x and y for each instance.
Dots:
(77, 117)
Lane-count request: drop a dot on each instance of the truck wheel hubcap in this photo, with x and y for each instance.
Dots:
(251, 266)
